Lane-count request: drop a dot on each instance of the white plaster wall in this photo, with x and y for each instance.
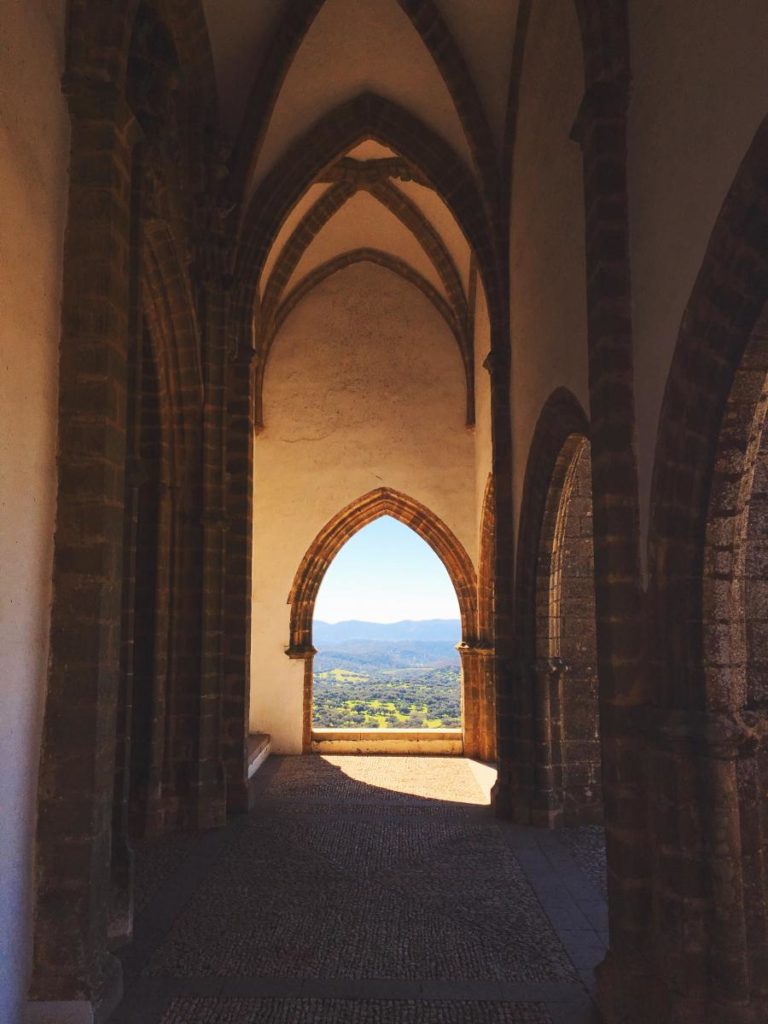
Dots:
(33, 167)
(699, 92)
(548, 277)
(364, 389)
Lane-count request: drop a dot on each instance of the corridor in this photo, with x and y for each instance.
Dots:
(367, 889)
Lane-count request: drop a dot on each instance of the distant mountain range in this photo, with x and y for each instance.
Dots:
(409, 648)
(327, 634)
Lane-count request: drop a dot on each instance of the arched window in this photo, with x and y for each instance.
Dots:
(327, 545)
(386, 628)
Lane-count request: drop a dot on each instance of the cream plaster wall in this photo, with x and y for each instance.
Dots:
(364, 389)
(33, 167)
(699, 92)
(548, 322)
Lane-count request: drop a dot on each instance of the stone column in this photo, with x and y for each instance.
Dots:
(237, 587)
(73, 970)
(547, 798)
(210, 781)
(479, 727)
(621, 634)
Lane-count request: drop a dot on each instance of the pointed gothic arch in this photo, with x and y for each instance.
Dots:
(366, 116)
(345, 524)
(285, 43)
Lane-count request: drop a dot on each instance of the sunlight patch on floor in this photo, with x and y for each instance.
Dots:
(450, 779)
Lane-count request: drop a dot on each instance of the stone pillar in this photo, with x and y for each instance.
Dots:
(209, 801)
(621, 632)
(307, 655)
(74, 972)
(477, 662)
(547, 797)
(237, 589)
(504, 793)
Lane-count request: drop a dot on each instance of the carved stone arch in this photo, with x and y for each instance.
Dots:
(401, 207)
(733, 601)
(720, 318)
(561, 418)
(310, 226)
(365, 116)
(381, 259)
(284, 45)
(529, 792)
(707, 549)
(409, 214)
(350, 520)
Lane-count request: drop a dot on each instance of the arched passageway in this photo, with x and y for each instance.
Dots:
(554, 732)
(386, 629)
(326, 546)
(374, 204)
(568, 784)
(708, 547)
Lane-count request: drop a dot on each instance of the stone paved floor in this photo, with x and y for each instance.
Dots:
(366, 890)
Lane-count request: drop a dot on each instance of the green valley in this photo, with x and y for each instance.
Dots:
(402, 679)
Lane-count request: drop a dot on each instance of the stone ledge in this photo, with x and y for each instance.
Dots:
(259, 749)
(387, 741)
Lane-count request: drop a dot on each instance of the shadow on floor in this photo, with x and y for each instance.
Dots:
(363, 889)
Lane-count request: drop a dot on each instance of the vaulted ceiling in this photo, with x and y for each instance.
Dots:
(282, 66)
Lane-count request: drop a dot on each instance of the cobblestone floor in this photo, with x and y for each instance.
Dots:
(366, 890)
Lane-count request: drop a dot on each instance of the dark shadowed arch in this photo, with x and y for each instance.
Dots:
(561, 419)
(724, 308)
(562, 426)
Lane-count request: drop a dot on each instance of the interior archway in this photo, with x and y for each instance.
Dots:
(386, 630)
(329, 542)
(568, 784)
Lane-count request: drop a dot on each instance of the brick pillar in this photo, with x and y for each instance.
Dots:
(547, 796)
(237, 587)
(71, 959)
(208, 798)
(477, 701)
(504, 791)
(621, 634)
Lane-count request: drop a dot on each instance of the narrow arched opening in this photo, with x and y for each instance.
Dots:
(735, 664)
(386, 628)
(321, 554)
(567, 744)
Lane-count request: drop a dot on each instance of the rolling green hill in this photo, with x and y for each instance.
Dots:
(379, 682)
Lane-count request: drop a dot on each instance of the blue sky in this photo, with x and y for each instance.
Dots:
(386, 573)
